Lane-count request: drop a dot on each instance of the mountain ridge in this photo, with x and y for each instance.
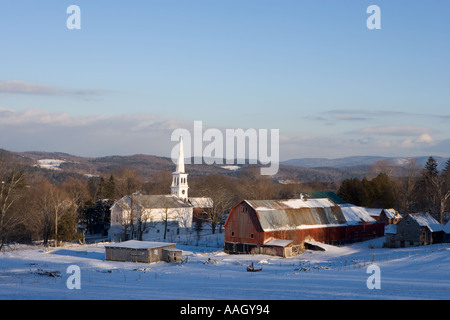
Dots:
(304, 169)
(357, 161)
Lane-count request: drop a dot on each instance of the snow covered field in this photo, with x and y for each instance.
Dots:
(210, 274)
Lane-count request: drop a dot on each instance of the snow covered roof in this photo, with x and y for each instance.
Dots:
(201, 202)
(447, 227)
(278, 243)
(374, 212)
(355, 215)
(135, 244)
(327, 194)
(153, 201)
(391, 213)
(260, 205)
(424, 219)
(297, 213)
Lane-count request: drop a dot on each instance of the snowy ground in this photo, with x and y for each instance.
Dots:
(210, 274)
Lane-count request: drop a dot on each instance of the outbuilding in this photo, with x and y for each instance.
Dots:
(142, 251)
(415, 229)
(390, 216)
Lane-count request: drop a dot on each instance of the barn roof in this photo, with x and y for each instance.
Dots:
(326, 194)
(355, 214)
(297, 213)
(424, 219)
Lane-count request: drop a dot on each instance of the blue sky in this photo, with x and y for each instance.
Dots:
(137, 70)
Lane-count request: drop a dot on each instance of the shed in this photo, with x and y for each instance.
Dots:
(172, 255)
(140, 251)
(277, 247)
(390, 216)
(415, 229)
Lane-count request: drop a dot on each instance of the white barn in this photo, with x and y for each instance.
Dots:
(149, 214)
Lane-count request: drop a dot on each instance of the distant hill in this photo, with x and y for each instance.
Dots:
(357, 161)
(306, 170)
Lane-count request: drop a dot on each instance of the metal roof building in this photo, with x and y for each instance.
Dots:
(416, 229)
(142, 251)
(253, 225)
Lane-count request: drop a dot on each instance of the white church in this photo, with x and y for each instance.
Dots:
(150, 217)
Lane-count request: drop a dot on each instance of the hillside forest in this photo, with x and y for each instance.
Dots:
(50, 206)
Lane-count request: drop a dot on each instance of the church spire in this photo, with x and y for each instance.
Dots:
(180, 163)
(179, 185)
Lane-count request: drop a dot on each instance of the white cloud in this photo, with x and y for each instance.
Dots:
(21, 87)
(9, 117)
(29, 88)
(422, 140)
(396, 130)
(22, 130)
(43, 130)
(426, 138)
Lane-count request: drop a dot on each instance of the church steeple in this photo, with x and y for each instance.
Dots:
(179, 177)
(180, 163)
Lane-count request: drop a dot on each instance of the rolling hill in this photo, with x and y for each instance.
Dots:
(306, 169)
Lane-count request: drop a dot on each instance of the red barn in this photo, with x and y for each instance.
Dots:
(256, 226)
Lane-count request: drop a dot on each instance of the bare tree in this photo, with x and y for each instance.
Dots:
(127, 218)
(405, 185)
(159, 183)
(222, 201)
(57, 210)
(127, 181)
(143, 219)
(12, 190)
(165, 208)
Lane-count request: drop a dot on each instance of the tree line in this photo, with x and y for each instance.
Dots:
(53, 206)
(407, 188)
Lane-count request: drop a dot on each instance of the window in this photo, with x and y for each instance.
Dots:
(251, 236)
(232, 233)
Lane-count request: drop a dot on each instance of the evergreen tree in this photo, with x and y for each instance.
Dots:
(429, 185)
(110, 188)
(383, 195)
(106, 189)
(433, 189)
(198, 227)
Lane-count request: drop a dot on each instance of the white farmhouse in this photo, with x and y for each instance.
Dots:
(152, 216)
